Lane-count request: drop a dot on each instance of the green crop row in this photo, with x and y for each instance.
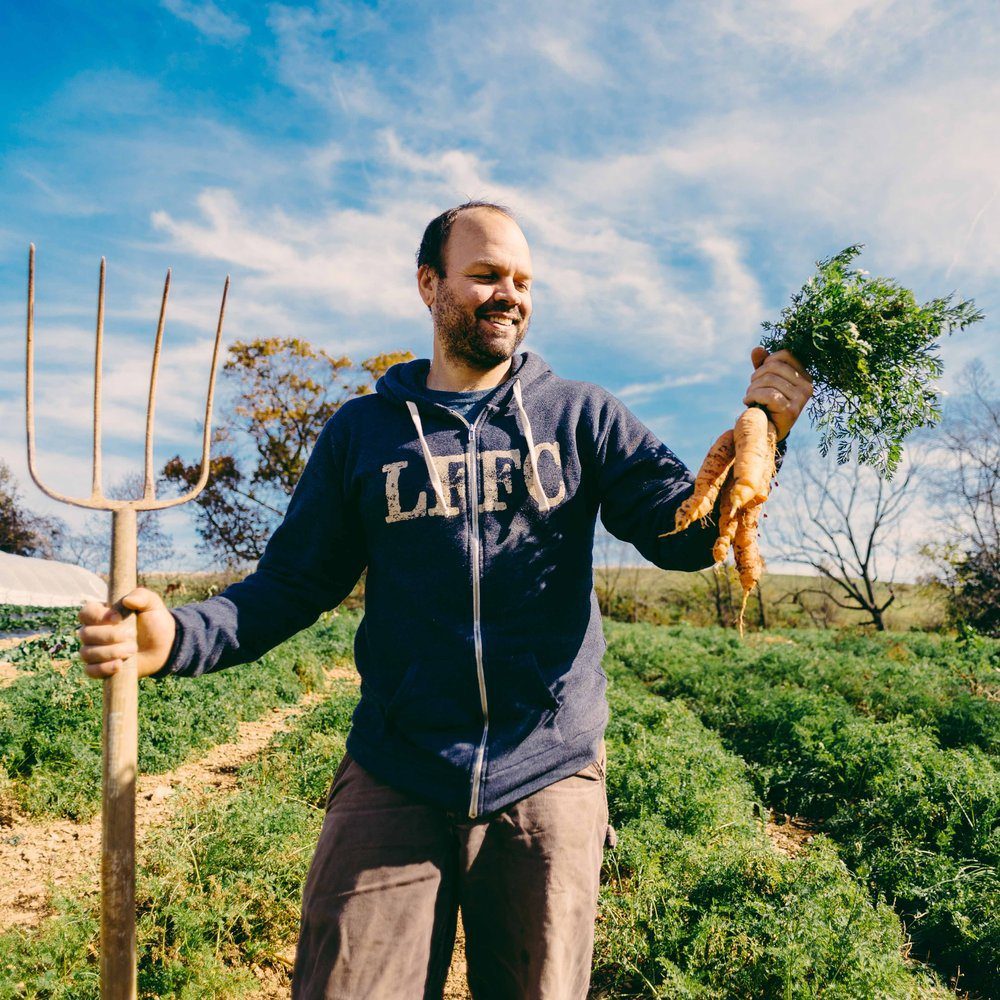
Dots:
(15, 617)
(50, 721)
(949, 687)
(695, 902)
(57, 641)
(920, 823)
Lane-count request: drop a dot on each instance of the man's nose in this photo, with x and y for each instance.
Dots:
(505, 291)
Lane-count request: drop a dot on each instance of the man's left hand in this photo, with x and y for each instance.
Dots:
(781, 385)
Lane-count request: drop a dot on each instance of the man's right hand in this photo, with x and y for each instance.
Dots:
(106, 640)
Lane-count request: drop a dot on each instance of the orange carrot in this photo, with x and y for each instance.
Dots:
(707, 484)
(746, 552)
(753, 467)
(749, 564)
(727, 520)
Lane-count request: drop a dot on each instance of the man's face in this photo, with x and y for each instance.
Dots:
(481, 307)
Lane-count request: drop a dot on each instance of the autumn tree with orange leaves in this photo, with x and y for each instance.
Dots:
(284, 391)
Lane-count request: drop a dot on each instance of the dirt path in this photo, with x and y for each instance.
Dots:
(791, 837)
(37, 856)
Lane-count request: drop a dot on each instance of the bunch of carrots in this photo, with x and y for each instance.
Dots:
(871, 351)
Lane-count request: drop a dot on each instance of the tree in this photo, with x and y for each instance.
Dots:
(967, 491)
(285, 390)
(23, 532)
(844, 522)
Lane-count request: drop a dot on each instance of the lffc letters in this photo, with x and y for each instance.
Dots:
(497, 467)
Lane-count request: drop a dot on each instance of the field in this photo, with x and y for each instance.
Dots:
(645, 594)
(807, 813)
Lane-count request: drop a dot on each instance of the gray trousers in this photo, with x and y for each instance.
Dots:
(390, 874)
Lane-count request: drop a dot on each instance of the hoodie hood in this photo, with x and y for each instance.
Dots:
(407, 382)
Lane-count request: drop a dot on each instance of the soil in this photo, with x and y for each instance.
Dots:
(791, 837)
(37, 857)
(17, 636)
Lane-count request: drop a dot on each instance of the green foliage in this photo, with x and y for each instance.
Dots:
(14, 617)
(50, 722)
(883, 742)
(218, 887)
(23, 532)
(871, 351)
(696, 903)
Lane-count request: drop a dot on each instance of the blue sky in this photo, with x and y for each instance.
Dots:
(677, 168)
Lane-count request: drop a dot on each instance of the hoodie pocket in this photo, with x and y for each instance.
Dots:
(520, 701)
(435, 705)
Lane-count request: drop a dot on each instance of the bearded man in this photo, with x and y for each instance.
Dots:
(468, 486)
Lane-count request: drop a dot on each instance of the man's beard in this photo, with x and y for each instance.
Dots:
(462, 339)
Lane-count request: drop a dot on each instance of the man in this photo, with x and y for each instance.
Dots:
(469, 487)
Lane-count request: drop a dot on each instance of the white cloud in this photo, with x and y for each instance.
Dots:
(567, 51)
(636, 391)
(357, 263)
(208, 19)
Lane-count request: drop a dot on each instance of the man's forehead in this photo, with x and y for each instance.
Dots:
(486, 236)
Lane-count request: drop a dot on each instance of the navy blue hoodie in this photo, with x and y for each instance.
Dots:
(480, 648)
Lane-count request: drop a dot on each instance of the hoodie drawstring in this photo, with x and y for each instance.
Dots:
(432, 472)
(543, 499)
(428, 458)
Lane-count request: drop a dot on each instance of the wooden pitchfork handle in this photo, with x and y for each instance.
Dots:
(119, 740)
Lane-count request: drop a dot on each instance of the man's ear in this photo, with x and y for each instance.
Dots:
(427, 281)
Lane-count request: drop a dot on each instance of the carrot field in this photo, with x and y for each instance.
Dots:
(802, 814)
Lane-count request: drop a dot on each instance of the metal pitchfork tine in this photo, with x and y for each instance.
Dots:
(120, 729)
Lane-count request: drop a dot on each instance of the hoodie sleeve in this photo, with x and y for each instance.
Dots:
(642, 483)
(311, 563)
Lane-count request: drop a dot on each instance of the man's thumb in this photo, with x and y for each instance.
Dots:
(139, 600)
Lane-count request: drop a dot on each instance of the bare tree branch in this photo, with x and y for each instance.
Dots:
(837, 520)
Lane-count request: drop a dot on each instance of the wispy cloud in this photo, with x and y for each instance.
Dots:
(636, 391)
(209, 19)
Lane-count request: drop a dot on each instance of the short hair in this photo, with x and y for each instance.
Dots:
(435, 238)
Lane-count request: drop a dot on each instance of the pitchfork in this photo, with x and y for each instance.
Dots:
(120, 730)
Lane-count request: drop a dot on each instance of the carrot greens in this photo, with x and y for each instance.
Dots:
(872, 352)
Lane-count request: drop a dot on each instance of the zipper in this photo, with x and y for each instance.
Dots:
(472, 500)
(477, 635)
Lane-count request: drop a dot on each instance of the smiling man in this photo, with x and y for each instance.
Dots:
(468, 487)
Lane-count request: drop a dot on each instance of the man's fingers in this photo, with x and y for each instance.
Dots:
(782, 368)
(758, 356)
(774, 380)
(102, 671)
(788, 358)
(775, 400)
(93, 613)
(105, 635)
(105, 654)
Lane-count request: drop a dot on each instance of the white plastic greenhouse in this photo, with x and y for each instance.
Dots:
(45, 583)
